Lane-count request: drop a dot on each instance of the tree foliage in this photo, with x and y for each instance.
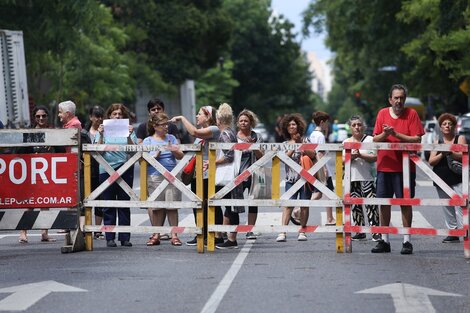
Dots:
(268, 64)
(103, 51)
(180, 39)
(425, 41)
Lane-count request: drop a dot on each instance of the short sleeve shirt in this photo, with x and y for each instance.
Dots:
(408, 123)
(166, 158)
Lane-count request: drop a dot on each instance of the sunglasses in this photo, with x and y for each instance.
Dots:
(41, 116)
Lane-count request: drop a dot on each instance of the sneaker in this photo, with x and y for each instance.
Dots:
(381, 247)
(192, 242)
(450, 239)
(251, 235)
(281, 237)
(111, 244)
(359, 236)
(98, 235)
(407, 248)
(126, 243)
(227, 245)
(376, 237)
(302, 237)
(217, 241)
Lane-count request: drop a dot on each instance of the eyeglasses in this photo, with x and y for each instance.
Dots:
(41, 116)
(356, 125)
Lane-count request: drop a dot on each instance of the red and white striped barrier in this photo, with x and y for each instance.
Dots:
(274, 229)
(274, 151)
(454, 198)
(143, 229)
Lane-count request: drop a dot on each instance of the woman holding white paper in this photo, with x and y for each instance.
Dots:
(116, 159)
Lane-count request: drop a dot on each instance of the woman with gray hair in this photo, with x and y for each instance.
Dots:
(362, 177)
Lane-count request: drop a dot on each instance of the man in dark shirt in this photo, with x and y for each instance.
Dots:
(155, 106)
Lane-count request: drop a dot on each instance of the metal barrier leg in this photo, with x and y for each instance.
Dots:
(75, 242)
(339, 192)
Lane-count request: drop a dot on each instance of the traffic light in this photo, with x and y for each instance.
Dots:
(357, 97)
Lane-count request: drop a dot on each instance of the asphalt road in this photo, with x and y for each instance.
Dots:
(261, 276)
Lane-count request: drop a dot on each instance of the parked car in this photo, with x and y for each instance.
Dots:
(431, 129)
(465, 129)
(340, 135)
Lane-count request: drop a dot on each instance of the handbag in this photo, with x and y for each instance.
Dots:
(226, 173)
(454, 165)
(188, 171)
(306, 162)
(261, 181)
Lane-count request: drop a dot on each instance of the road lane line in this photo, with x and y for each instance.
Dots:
(213, 303)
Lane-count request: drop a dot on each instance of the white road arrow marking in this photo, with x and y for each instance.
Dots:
(409, 298)
(26, 295)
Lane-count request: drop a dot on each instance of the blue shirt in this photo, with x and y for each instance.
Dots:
(166, 158)
(115, 158)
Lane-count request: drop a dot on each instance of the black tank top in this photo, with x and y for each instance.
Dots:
(442, 170)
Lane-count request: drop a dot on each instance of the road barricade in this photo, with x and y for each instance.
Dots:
(141, 153)
(276, 153)
(408, 155)
(38, 179)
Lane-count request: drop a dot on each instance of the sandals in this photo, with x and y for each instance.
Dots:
(175, 241)
(48, 239)
(165, 237)
(153, 241)
(23, 240)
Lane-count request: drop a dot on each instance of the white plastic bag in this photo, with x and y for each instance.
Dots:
(261, 184)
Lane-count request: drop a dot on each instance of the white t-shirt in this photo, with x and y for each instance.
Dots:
(362, 170)
(317, 137)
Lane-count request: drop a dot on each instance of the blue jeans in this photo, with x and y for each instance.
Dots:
(115, 192)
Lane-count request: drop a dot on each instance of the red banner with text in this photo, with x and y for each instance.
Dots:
(38, 180)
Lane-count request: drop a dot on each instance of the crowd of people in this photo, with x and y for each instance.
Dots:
(373, 173)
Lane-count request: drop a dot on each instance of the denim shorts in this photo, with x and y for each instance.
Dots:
(389, 184)
(304, 193)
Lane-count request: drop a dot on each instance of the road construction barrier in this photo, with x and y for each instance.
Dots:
(408, 155)
(141, 153)
(276, 153)
(41, 180)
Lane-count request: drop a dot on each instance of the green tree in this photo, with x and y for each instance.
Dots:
(424, 41)
(178, 39)
(71, 50)
(216, 85)
(273, 74)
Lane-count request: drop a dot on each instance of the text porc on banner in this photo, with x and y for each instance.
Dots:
(38, 180)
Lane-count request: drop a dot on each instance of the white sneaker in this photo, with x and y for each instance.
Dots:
(302, 237)
(281, 237)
